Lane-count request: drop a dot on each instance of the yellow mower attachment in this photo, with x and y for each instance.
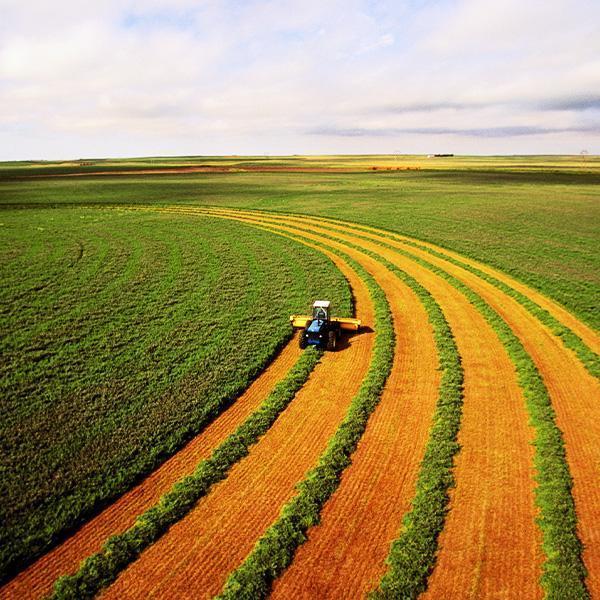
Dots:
(347, 324)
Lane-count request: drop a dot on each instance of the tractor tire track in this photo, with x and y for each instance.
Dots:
(496, 447)
(37, 580)
(193, 559)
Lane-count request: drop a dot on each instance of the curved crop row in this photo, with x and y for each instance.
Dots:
(275, 550)
(101, 569)
(196, 555)
(589, 358)
(575, 413)
(413, 556)
(563, 570)
(564, 573)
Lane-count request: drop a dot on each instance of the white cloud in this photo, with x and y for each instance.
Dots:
(158, 76)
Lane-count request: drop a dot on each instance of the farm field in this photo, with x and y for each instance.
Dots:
(534, 218)
(154, 392)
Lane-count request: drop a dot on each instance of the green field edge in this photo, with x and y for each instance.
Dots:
(103, 567)
(589, 358)
(73, 521)
(564, 572)
(275, 550)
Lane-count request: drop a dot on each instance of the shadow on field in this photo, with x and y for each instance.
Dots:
(344, 339)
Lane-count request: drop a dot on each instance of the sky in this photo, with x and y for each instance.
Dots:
(206, 77)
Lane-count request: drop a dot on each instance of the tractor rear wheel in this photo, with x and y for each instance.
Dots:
(332, 341)
(302, 341)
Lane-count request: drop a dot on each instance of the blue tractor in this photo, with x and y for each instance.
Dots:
(321, 329)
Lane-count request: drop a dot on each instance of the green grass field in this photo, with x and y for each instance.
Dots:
(125, 332)
(537, 218)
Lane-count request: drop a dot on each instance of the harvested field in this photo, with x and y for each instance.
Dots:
(210, 541)
(492, 402)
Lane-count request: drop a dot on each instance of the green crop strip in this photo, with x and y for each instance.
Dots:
(413, 555)
(571, 340)
(563, 571)
(276, 549)
(102, 568)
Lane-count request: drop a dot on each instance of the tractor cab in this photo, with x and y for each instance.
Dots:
(321, 310)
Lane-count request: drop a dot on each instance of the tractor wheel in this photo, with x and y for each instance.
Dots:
(302, 341)
(331, 341)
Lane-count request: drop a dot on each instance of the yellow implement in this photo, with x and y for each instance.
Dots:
(347, 324)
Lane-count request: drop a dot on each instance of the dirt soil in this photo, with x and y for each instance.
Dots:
(205, 169)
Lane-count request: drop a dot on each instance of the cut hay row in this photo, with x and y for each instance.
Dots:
(563, 569)
(275, 550)
(37, 580)
(490, 387)
(376, 489)
(573, 393)
(101, 569)
(576, 335)
(586, 351)
(197, 553)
